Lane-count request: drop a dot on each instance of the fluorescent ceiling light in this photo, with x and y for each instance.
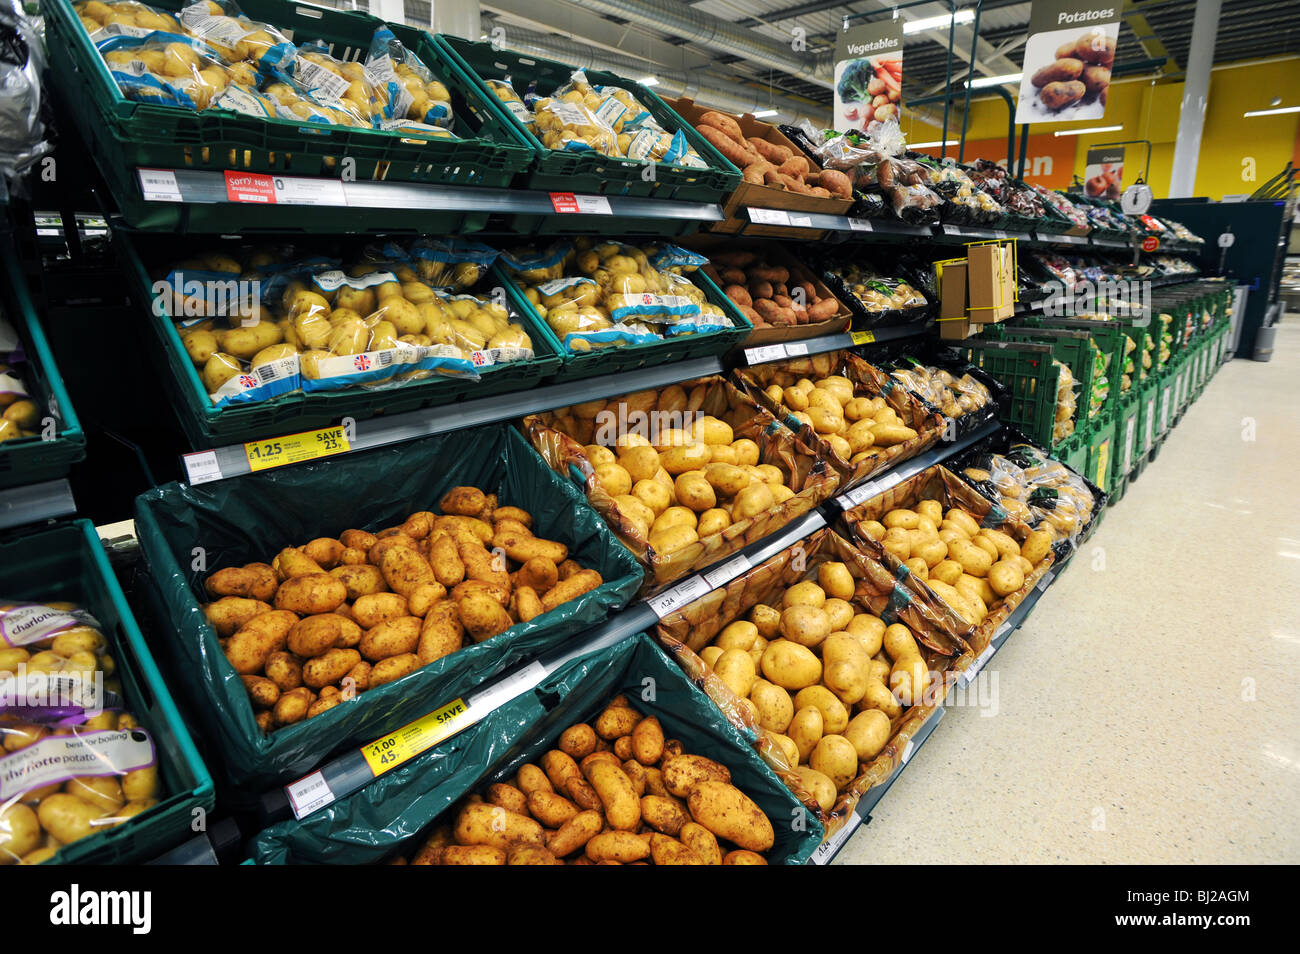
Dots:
(1271, 112)
(934, 23)
(1085, 131)
(984, 81)
(928, 145)
(649, 81)
(764, 112)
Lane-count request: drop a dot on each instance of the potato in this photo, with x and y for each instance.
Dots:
(879, 697)
(987, 545)
(578, 741)
(730, 814)
(1005, 577)
(531, 779)
(767, 620)
(735, 667)
(805, 593)
(405, 569)
(695, 492)
(790, 665)
(818, 785)
(755, 499)
(262, 692)
(550, 809)
(904, 519)
(66, 817)
(394, 637)
(393, 668)
(255, 581)
(679, 460)
(473, 855)
(964, 520)
(484, 824)
(972, 558)
(285, 670)
(908, 679)
(317, 634)
(574, 833)
(804, 624)
(681, 773)
(839, 612)
(836, 580)
(229, 613)
(1036, 546)
(570, 588)
(311, 594)
(250, 647)
(836, 758)
(868, 733)
(441, 634)
(617, 796)
(621, 846)
(738, 635)
(806, 729)
(663, 814)
(835, 715)
(899, 642)
(775, 707)
(946, 571)
(375, 608)
(329, 667)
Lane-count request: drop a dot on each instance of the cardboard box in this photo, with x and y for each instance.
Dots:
(981, 291)
(707, 244)
(750, 194)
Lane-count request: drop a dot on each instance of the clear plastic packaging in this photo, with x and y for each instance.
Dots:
(406, 89)
(75, 761)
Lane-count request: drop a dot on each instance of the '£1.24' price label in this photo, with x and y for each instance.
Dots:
(296, 448)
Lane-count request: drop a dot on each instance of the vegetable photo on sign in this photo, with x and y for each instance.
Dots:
(868, 75)
(1068, 59)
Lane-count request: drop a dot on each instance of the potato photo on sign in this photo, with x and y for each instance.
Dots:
(1067, 74)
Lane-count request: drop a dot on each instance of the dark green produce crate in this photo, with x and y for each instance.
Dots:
(591, 172)
(591, 364)
(67, 562)
(31, 460)
(391, 816)
(1102, 450)
(1025, 370)
(207, 425)
(124, 134)
(1109, 338)
(1071, 347)
(251, 518)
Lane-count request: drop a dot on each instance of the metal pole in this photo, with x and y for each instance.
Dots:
(1011, 127)
(965, 116)
(1024, 147)
(1196, 88)
(952, 32)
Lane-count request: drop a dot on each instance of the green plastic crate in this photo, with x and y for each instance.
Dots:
(1125, 449)
(124, 134)
(207, 425)
(558, 170)
(252, 517)
(1148, 399)
(580, 365)
(31, 460)
(522, 731)
(67, 562)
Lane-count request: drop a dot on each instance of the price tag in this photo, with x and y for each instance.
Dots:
(202, 467)
(328, 192)
(796, 348)
(769, 217)
(1047, 578)
(1000, 234)
(907, 752)
(159, 185)
(1002, 632)
(415, 737)
(310, 793)
(801, 221)
(727, 572)
(859, 494)
(766, 353)
(827, 849)
(860, 225)
(978, 664)
(671, 600)
(594, 205)
(255, 187)
(507, 688)
(296, 448)
(863, 337)
(564, 202)
(953, 230)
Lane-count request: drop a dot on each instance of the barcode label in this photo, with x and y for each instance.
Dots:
(795, 348)
(801, 221)
(308, 794)
(159, 185)
(727, 572)
(769, 217)
(202, 467)
(674, 599)
(1047, 578)
(509, 687)
(265, 372)
(860, 225)
(979, 663)
(907, 752)
(859, 494)
(383, 358)
(594, 205)
(766, 353)
(827, 849)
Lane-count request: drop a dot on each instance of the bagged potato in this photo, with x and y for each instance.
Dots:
(445, 262)
(637, 134)
(166, 69)
(405, 86)
(108, 18)
(236, 38)
(512, 101)
(74, 763)
(566, 123)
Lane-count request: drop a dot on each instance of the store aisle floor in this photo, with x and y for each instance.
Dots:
(1149, 711)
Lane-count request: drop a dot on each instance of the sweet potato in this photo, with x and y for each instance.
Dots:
(756, 172)
(725, 123)
(836, 183)
(823, 310)
(776, 274)
(772, 152)
(773, 313)
(739, 259)
(739, 294)
(733, 276)
(794, 166)
(760, 289)
(733, 151)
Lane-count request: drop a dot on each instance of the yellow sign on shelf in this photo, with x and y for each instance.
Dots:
(296, 448)
(414, 737)
(863, 337)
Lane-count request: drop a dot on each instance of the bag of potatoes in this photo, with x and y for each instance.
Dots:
(406, 87)
(73, 762)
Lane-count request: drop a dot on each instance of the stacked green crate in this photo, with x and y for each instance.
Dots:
(1124, 450)
(1100, 442)
(1032, 379)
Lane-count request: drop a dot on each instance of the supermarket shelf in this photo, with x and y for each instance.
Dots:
(33, 503)
(798, 349)
(836, 223)
(232, 460)
(213, 188)
(910, 468)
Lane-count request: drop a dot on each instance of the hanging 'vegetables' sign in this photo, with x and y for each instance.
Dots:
(868, 74)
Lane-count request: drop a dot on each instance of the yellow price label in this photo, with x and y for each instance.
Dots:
(863, 337)
(1103, 465)
(296, 448)
(415, 737)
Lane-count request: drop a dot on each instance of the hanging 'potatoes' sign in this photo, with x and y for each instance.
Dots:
(1068, 59)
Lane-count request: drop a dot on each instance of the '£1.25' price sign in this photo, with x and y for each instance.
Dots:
(296, 448)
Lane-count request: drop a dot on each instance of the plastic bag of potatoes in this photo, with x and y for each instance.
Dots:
(960, 553)
(405, 87)
(21, 416)
(236, 38)
(505, 91)
(73, 761)
(686, 475)
(1036, 489)
(819, 657)
(108, 18)
(951, 396)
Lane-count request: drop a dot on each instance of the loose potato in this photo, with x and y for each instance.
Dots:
(375, 608)
(736, 668)
(285, 670)
(317, 634)
(805, 730)
(229, 613)
(484, 824)
(701, 842)
(818, 785)
(616, 721)
(310, 594)
(579, 741)
(1005, 577)
(836, 758)
(551, 809)
(835, 715)
(393, 668)
(729, 813)
(775, 707)
(836, 580)
(804, 624)
(868, 733)
(255, 581)
(404, 570)
(669, 851)
(621, 846)
(620, 801)
(663, 814)
(682, 773)
(483, 617)
(1036, 545)
(790, 665)
(394, 637)
(473, 855)
(805, 593)
(574, 834)
(441, 634)
(695, 492)
(262, 692)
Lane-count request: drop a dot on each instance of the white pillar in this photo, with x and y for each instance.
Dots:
(1196, 90)
(390, 10)
(456, 18)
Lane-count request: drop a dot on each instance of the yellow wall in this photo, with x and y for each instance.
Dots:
(1150, 111)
